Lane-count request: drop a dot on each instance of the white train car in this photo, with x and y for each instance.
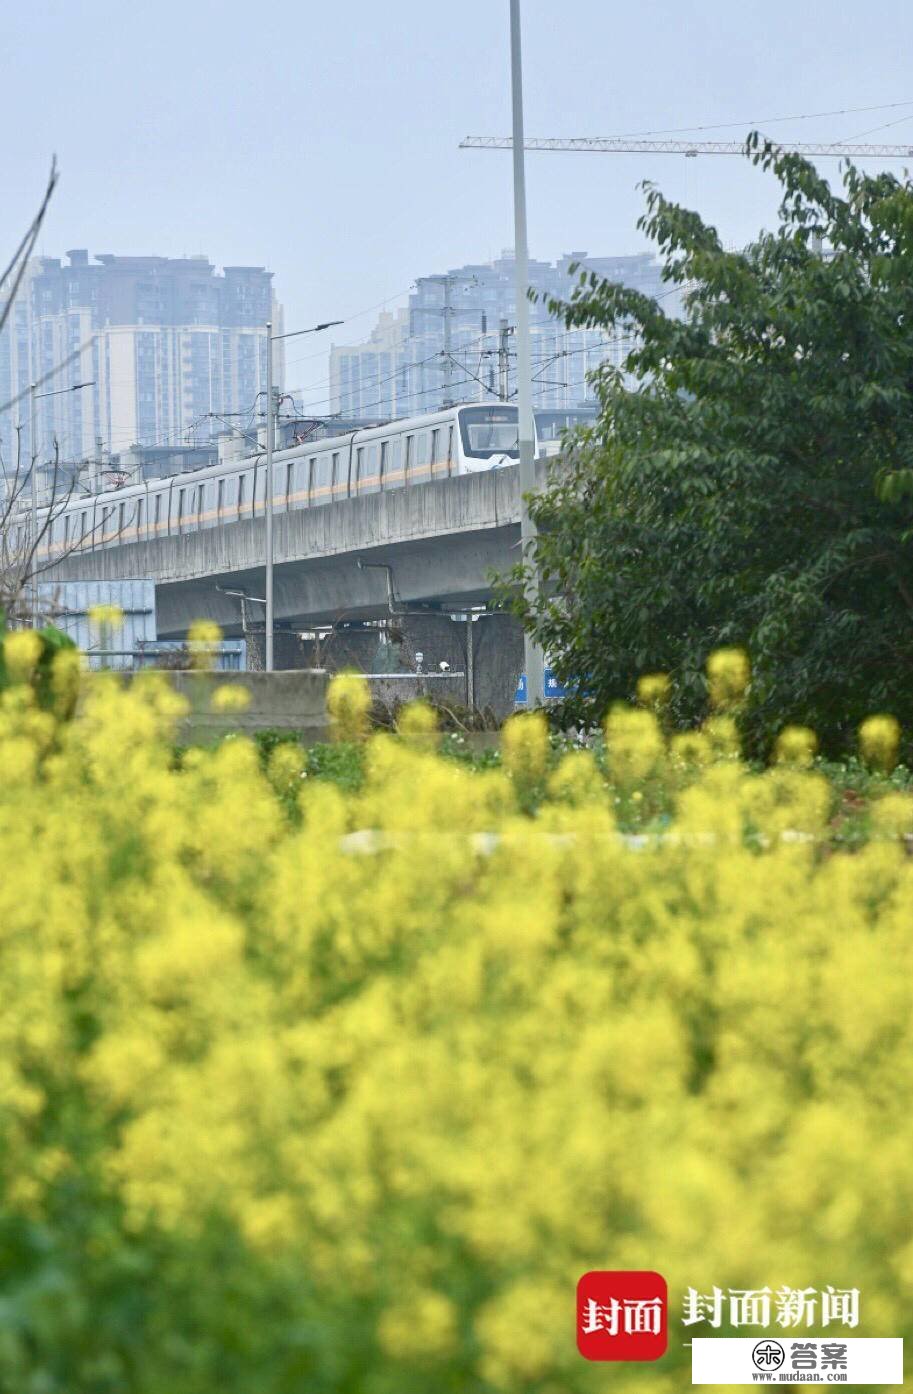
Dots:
(415, 450)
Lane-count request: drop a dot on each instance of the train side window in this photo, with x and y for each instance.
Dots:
(384, 461)
(241, 481)
(220, 499)
(157, 515)
(66, 529)
(310, 479)
(139, 517)
(422, 457)
(181, 493)
(320, 482)
(450, 444)
(435, 446)
(84, 525)
(359, 465)
(409, 460)
(334, 477)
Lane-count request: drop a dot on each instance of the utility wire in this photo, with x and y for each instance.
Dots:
(767, 121)
(48, 376)
(900, 120)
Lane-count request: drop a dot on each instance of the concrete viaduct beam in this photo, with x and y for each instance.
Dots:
(442, 539)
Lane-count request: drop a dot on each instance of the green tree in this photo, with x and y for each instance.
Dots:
(748, 480)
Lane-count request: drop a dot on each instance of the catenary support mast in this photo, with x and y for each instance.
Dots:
(535, 665)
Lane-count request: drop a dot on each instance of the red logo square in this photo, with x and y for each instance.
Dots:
(622, 1316)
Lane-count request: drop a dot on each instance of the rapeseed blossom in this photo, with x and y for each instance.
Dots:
(345, 1090)
(728, 674)
(203, 639)
(796, 745)
(417, 723)
(103, 618)
(879, 740)
(230, 697)
(524, 746)
(349, 703)
(654, 690)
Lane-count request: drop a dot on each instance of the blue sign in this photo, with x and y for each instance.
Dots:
(553, 688)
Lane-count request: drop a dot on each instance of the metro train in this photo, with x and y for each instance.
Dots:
(414, 450)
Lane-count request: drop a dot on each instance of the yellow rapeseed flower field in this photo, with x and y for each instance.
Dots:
(303, 1089)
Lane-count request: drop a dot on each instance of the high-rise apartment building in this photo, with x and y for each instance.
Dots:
(454, 341)
(170, 346)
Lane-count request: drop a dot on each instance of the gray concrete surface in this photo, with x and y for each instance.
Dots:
(442, 539)
(288, 701)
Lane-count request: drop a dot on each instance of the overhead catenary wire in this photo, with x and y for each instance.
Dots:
(49, 376)
(766, 121)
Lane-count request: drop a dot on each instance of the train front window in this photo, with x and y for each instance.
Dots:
(551, 425)
(490, 431)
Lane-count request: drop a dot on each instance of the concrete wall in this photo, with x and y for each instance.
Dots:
(497, 654)
(293, 701)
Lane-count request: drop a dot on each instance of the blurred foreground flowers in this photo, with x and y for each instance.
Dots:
(304, 1088)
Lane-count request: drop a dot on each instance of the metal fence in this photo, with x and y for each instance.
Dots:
(133, 643)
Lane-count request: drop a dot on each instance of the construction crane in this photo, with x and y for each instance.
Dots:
(624, 145)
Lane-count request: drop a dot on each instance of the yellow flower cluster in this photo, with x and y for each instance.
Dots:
(432, 1058)
(879, 740)
(203, 639)
(349, 704)
(728, 674)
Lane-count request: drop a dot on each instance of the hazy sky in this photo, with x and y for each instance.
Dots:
(321, 139)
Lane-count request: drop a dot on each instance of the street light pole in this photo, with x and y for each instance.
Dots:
(535, 664)
(268, 657)
(33, 509)
(271, 414)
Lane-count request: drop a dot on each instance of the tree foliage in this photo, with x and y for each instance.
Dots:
(749, 479)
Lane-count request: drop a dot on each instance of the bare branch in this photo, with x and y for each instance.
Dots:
(26, 246)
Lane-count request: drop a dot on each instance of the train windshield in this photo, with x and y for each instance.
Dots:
(490, 431)
(551, 425)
